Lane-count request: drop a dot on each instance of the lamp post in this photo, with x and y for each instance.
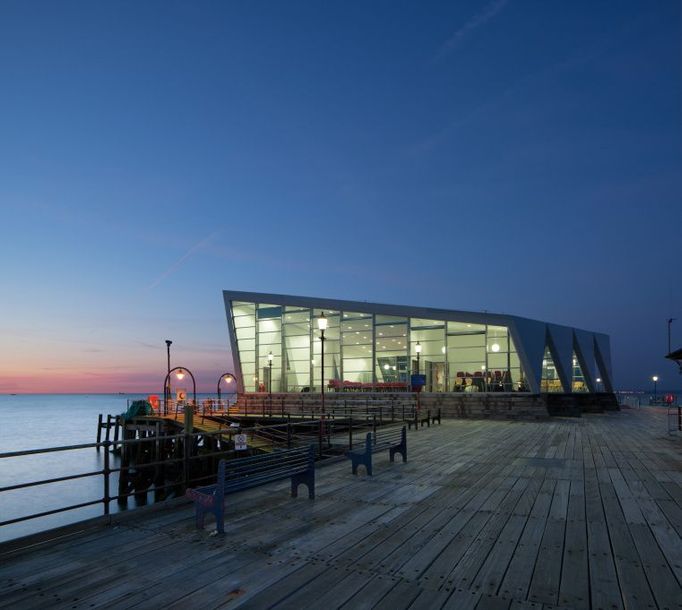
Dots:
(598, 384)
(418, 349)
(229, 378)
(180, 374)
(655, 380)
(270, 357)
(322, 325)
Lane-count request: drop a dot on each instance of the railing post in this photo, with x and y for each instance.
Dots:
(350, 433)
(99, 430)
(679, 419)
(282, 406)
(320, 433)
(188, 431)
(106, 472)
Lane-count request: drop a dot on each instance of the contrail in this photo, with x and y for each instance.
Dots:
(474, 23)
(177, 264)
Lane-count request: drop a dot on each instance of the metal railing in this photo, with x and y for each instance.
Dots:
(331, 433)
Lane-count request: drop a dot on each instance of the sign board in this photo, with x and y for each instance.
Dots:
(670, 399)
(417, 380)
(240, 442)
(180, 394)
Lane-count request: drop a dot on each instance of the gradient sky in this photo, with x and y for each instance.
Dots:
(513, 156)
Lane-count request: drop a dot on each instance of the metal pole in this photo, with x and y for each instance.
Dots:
(322, 372)
(106, 472)
(166, 389)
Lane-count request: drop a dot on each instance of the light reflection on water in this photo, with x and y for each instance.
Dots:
(46, 420)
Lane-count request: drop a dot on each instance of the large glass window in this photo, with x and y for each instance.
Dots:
(391, 353)
(466, 352)
(578, 379)
(550, 381)
(269, 343)
(297, 357)
(244, 321)
(430, 336)
(332, 352)
(356, 348)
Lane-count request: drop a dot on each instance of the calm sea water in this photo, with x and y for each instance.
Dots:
(48, 420)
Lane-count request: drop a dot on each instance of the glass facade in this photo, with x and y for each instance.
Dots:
(280, 350)
(578, 383)
(550, 381)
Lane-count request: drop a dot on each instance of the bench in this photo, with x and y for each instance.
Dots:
(244, 473)
(394, 439)
(424, 418)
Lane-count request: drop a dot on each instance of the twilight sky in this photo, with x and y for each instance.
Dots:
(513, 156)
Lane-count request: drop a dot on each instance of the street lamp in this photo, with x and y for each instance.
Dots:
(229, 379)
(418, 349)
(598, 383)
(322, 325)
(180, 374)
(270, 357)
(655, 380)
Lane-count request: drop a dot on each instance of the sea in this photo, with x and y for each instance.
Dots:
(36, 421)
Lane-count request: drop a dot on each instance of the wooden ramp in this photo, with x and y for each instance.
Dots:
(209, 425)
(567, 513)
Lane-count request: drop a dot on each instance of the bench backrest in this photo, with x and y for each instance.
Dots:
(384, 437)
(243, 473)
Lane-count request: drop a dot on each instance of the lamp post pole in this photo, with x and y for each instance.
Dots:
(655, 380)
(270, 358)
(166, 389)
(322, 325)
(418, 349)
(229, 378)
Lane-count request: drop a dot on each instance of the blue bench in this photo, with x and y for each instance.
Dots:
(424, 418)
(394, 439)
(243, 473)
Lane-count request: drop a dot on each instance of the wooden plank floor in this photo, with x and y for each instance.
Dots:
(565, 513)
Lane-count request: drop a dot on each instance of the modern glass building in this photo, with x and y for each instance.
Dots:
(276, 346)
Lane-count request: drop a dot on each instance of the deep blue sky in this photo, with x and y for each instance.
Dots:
(516, 156)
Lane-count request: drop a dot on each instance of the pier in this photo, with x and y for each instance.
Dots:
(564, 513)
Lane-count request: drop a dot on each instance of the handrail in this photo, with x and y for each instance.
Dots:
(290, 433)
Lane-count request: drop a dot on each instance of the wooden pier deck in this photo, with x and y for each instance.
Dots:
(566, 513)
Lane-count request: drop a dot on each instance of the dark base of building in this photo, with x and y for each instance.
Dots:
(476, 405)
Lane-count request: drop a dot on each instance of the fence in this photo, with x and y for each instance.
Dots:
(332, 434)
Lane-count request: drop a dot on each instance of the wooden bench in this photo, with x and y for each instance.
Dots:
(424, 417)
(243, 473)
(392, 438)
